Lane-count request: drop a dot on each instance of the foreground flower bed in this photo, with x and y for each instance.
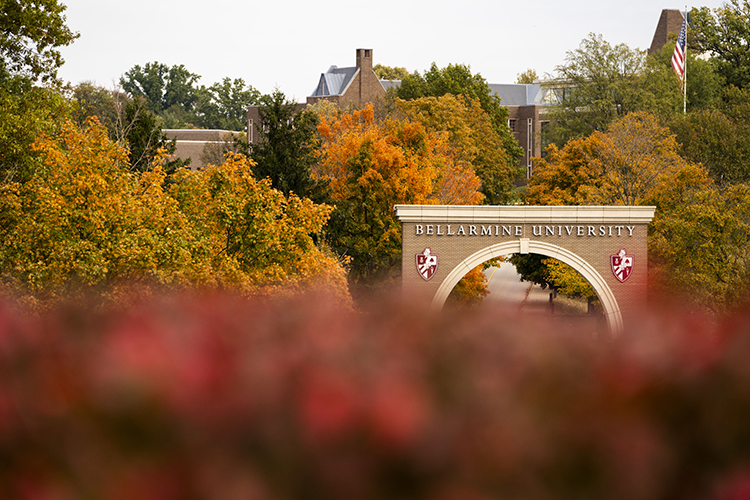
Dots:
(216, 398)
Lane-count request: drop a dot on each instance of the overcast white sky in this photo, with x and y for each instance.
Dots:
(289, 43)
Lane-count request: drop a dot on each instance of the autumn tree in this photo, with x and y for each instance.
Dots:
(371, 166)
(254, 237)
(622, 166)
(85, 219)
(625, 165)
(457, 79)
(698, 238)
(471, 140)
(470, 290)
(527, 77)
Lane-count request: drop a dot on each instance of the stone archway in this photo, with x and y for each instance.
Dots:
(606, 297)
(589, 239)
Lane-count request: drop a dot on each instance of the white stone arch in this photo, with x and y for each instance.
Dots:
(524, 246)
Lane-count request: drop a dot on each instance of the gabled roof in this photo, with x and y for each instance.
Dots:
(335, 81)
(516, 94)
(387, 84)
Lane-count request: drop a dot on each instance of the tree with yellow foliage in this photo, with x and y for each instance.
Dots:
(84, 219)
(698, 239)
(622, 166)
(472, 141)
(252, 236)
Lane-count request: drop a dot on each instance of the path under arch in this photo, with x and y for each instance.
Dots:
(606, 297)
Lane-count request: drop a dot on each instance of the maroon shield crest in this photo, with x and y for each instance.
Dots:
(622, 265)
(427, 263)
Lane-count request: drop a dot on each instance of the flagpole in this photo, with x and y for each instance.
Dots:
(684, 79)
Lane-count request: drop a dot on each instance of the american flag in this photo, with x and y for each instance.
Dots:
(678, 58)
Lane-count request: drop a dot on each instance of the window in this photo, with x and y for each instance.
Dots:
(545, 138)
(512, 125)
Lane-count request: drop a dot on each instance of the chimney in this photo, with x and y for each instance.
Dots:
(670, 21)
(364, 60)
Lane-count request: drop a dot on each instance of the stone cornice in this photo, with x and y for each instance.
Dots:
(498, 214)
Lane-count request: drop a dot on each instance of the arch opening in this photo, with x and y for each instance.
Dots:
(607, 299)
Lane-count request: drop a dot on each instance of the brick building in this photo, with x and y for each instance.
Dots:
(194, 144)
(355, 85)
(527, 105)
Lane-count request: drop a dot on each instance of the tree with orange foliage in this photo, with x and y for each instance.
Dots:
(373, 165)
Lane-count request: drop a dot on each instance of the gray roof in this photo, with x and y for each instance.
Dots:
(387, 84)
(515, 94)
(510, 94)
(201, 135)
(335, 81)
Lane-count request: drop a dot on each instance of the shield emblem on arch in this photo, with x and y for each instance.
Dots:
(427, 263)
(622, 265)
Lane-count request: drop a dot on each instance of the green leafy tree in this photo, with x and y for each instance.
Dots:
(598, 83)
(288, 147)
(31, 31)
(26, 111)
(129, 122)
(724, 33)
(89, 100)
(704, 85)
(161, 86)
(721, 144)
(224, 105)
(389, 72)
